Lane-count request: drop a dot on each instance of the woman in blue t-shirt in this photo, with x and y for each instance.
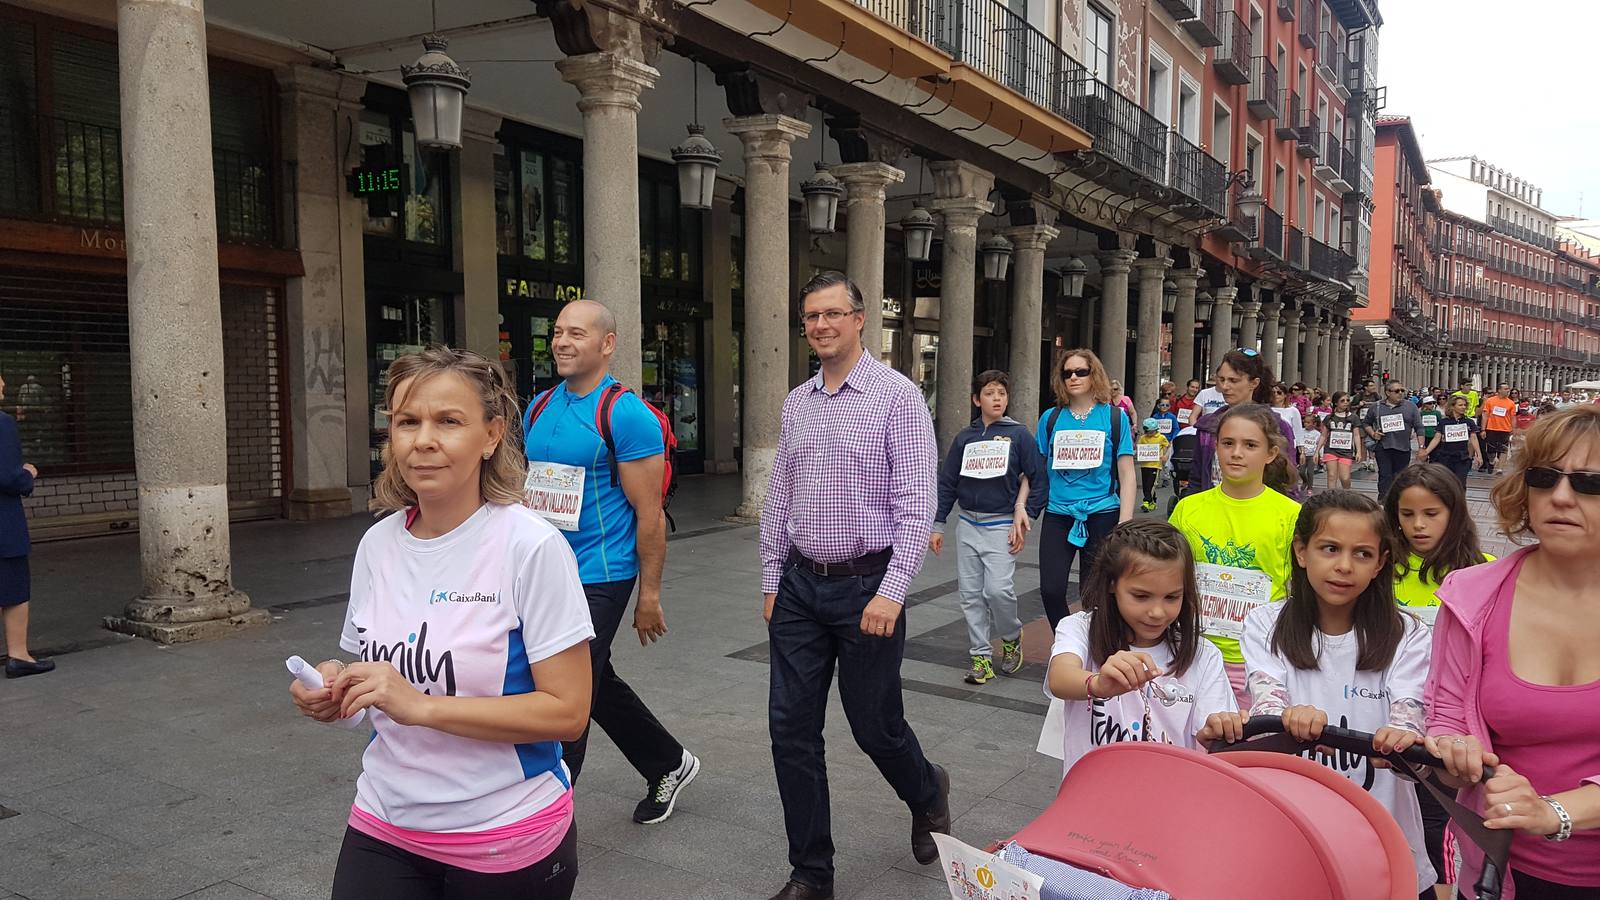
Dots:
(1092, 480)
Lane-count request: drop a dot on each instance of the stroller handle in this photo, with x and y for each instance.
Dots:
(1344, 740)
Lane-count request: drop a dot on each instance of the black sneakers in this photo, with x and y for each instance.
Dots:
(657, 805)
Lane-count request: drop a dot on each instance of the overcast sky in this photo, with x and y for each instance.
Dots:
(1515, 83)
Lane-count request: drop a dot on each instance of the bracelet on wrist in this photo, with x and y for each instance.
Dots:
(1564, 830)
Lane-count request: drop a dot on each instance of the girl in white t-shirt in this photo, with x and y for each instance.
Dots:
(1339, 650)
(1132, 666)
(471, 628)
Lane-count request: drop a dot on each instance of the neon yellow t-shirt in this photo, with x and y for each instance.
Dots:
(1418, 596)
(1159, 440)
(1241, 554)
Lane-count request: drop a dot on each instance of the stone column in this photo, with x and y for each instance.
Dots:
(721, 359)
(314, 316)
(1112, 348)
(1249, 324)
(609, 85)
(961, 192)
(865, 185)
(1269, 335)
(768, 324)
(1222, 324)
(1183, 325)
(1319, 377)
(477, 307)
(1311, 353)
(1027, 316)
(1147, 348)
(1291, 345)
(180, 440)
(1344, 356)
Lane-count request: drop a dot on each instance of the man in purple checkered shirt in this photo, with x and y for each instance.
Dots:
(843, 532)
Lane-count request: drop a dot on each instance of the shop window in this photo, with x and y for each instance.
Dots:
(420, 213)
(563, 219)
(505, 218)
(533, 224)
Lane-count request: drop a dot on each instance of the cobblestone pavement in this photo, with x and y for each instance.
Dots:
(138, 771)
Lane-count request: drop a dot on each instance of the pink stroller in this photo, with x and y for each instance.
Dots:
(1250, 822)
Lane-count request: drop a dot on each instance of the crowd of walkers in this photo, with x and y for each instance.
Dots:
(483, 605)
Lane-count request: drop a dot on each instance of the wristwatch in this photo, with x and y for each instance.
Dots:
(1565, 830)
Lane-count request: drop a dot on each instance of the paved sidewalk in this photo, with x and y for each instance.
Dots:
(138, 771)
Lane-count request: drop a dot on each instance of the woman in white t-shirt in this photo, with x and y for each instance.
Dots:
(1132, 666)
(472, 631)
(1338, 649)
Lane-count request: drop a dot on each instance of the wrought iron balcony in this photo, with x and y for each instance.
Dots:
(1197, 175)
(1180, 9)
(1205, 26)
(1570, 354)
(1306, 135)
(1123, 132)
(1349, 173)
(1264, 93)
(1237, 228)
(1286, 10)
(1467, 337)
(1268, 242)
(1330, 57)
(1570, 317)
(1289, 122)
(989, 37)
(1329, 262)
(1294, 246)
(1327, 167)
(1521, 233)
(1232, 57)
(1307, 26)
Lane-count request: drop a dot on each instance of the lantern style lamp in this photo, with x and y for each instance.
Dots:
(437, 88)
(917, 226)
(1250, 202)
(1072, 276)
(1169, 297)
(1238, 317)
(822, 195)
(996, 258)
(1202, 306)
(696, 159)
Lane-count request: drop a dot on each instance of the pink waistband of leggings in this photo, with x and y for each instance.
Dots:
(504, 849)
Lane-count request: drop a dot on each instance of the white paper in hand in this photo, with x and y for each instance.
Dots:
(972, 874)
(310, 678)
(1053, 736)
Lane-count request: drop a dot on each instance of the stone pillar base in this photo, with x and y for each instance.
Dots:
(310, 504)
(721, 466)
(168, 622)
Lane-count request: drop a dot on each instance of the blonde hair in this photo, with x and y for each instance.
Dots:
(1099, 381)
(1552, 436)
(501, 476)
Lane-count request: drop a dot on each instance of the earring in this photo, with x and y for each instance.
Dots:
(489, 455)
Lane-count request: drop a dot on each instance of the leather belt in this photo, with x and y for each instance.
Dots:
(869, 564)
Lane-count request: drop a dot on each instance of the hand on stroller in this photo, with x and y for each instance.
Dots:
(1225, 726)
(1511, 803)
(1127, 670)
(1463, 757)
(1305, 723)
(1392, 740)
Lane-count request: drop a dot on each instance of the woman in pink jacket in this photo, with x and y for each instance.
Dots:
(1516, 669)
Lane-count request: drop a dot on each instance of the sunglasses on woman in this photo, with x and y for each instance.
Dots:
(1077, 373)
(1545, 478)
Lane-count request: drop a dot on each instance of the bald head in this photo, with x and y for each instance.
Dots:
(592, 315)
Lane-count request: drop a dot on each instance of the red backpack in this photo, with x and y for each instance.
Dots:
(602, 422)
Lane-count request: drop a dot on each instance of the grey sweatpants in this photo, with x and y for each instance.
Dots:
(985, 571)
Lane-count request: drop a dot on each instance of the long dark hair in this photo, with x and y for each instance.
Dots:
(1379, 624)
(1279, 474)
(1458, 547)
(1133, 545)
(1251, 366)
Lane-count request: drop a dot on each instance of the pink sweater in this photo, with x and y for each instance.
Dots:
(1455, 689)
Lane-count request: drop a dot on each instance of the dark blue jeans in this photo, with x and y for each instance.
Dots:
(1390, 463)
(816, 623)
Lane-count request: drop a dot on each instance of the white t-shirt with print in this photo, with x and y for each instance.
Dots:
(1200, 691)
(466, 615)
(1358, 700)
(1210, 400)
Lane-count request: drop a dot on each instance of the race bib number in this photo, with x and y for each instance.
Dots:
(1455, 434)
(985, 459)
(555, 492)
(1185, 414)
(1500, 412)
(1308, 443)
(1430, 421)
(1227, 594)
(1391, 423)
(1164, 426)
(1147, 452)
(1341, 440)
(1076, 450)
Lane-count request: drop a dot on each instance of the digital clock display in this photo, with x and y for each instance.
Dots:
(370, 181)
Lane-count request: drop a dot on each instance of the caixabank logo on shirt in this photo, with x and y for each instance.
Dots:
(462, 597)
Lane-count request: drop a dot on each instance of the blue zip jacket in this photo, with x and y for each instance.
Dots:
(993, 496)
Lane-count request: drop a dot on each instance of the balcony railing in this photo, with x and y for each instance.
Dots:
(1307, 26)
(1570, 317)
(989, 37)
(1329, 262)
(1181, 9)
(1123, 132)
(1327, 167)
(1306, 135)
(1263, 88)
(1294, 246)
(1289, 122)
(1330, 57)
(1205, 24)
(1468, 337)
(1232, 57)
(1521, 233)
(59, 170)
(1268, 242)
(1197, 175)
(1236, 228)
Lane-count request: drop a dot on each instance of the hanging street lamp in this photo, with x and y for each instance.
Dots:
(696, 159)
(822, 195)
(1169, 297)
(1072, 275)
(917, 228)
(437, 88)
(1202, 307)
(996, 258)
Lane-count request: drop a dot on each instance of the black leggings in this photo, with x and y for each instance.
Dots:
(1434, 820)
(1056, 554)
(371, 868)
(1531, 888)
(1147, 477)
